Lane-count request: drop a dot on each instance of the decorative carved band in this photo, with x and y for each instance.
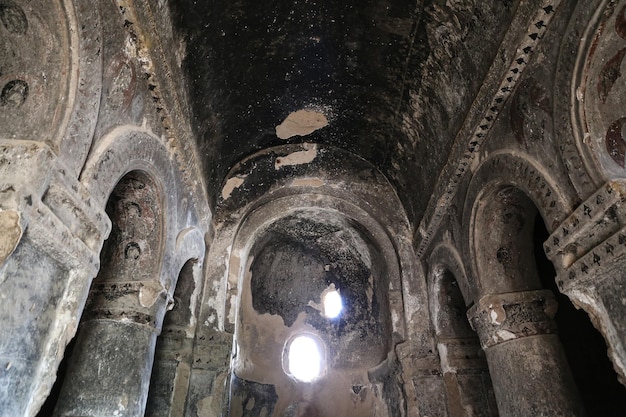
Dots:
(60, 214)
(477, 133)
(499, 318)
(592, 237)
(135, 301)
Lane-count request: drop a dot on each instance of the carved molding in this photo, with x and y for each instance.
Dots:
(62, 217)
(141, 23)
(475, 132)
(591, 239)
(499, 318)
(597, 91)
(51, 76)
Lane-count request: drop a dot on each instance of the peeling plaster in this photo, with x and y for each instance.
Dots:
(11, 232)
(298, 158)
(506, 335)
(232, 184)
(443, 356)
(497, 314)
(149, 293)
(301, 123)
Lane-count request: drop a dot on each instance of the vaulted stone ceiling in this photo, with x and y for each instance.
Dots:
(393, 78)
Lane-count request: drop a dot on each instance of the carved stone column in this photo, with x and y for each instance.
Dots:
(589, 252)
(111, 363)
(466, 377)
(528, 367)
(51, 232)
(424, 386)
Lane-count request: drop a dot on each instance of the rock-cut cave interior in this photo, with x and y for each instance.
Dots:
(312, 208)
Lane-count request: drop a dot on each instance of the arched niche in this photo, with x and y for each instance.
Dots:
(109, 368)
(463, 366)
(136, 240)
(174, 348)
(286, 256)
(296, 260)
(518, 309)
(591, 91)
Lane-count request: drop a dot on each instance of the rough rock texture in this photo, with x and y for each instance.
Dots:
(182, 181)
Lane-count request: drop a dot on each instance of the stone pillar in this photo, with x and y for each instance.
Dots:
(110, 367)
(208, 386)
(170, 375)
(51, 233)
(424, 386)
(527, 363)
(589, 253)
(466, 377)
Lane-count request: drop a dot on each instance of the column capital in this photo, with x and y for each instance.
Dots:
(498, 318)
(592, 240)
(128, 301)
(57, 209)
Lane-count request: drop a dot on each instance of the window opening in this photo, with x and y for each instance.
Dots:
(305, 358)
(332, 302)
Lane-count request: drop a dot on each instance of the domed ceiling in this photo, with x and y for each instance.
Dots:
(388, 80)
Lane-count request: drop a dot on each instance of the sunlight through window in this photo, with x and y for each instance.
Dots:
(332, 304)
(304, 359)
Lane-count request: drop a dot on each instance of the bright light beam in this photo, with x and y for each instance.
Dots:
(332, 304)
(305, 361)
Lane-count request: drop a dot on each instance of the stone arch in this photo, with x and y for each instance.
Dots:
(130, 173)
(513, 313)
(126, 149)
(446, 256)
(507, 171)
(256, 234)
(121, 317)
(588, 95)
(502, 212)
(463, 364)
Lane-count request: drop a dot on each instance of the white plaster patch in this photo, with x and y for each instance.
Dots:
(443, 357)
(10, 232)
(301, 123)
(396, 319)
(231, 185)
(505, 335)
(232, 313)
(298, 158)
(149, 293)
(494, 317)
(497, 314)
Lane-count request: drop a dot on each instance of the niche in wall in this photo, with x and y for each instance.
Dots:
(291, 266)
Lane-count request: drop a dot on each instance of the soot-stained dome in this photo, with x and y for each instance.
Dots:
(392, 78)
(304, 254)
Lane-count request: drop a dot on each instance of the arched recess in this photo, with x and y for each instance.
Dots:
(590, 89)
(130, 172)
(465, 372)
(330, 241)
(171, 371)
(51, 78)
(514, 310)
